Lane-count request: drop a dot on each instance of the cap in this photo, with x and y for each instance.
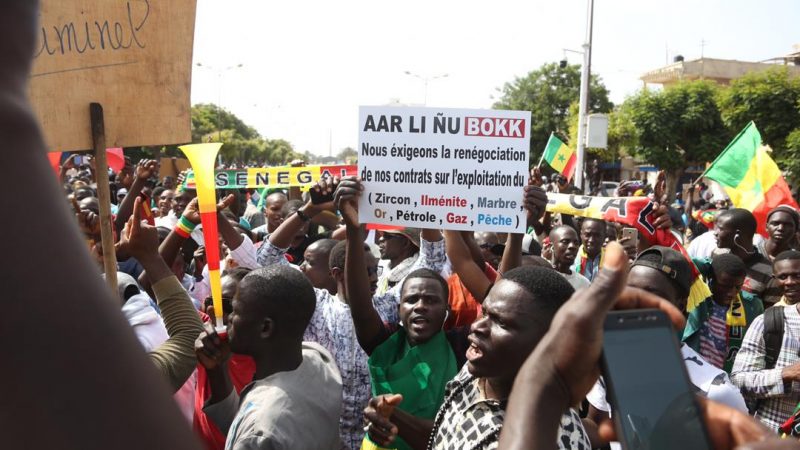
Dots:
(127, 286)
(411, 233)
(788, 210)
(122, 191)
(669, 262)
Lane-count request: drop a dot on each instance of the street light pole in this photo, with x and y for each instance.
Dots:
(584, 99)
(220, 72)
(425, 80)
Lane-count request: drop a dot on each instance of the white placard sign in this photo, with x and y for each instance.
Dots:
(457, 169)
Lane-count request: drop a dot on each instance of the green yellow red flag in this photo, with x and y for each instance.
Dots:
(560, 157)
(750, 176)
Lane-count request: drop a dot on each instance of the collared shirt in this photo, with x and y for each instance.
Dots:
(332, 327)
(468, 420)
(777, 399)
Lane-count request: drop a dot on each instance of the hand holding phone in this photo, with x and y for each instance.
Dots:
(653, 402)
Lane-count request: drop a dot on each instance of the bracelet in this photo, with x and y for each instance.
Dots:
(184, 228)
(302, 215)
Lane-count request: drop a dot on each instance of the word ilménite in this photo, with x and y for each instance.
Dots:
(454, 201)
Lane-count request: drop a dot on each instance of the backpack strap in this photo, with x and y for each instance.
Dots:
(773, 335)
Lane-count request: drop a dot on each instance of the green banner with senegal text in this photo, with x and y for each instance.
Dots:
(273, 177)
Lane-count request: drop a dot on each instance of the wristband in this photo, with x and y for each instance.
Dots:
(302, 215)
(184, 228)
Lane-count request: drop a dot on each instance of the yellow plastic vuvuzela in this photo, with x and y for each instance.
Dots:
(203, 159)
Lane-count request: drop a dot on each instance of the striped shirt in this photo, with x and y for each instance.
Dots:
(714, 336)
(777, 399)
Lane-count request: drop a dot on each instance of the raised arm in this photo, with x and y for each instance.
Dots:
(535, 201)
(174, 358)
(464, 266)
(144, 170)
(356, 280)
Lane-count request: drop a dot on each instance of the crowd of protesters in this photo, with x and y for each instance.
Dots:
(343, 337)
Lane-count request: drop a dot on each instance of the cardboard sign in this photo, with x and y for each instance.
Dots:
(133, 57)
(456, 169)
(165, 168)
(273, 177)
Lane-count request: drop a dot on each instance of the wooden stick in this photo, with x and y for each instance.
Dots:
(104, 195)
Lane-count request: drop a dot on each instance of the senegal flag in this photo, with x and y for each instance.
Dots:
(559, 156)
(750, 177)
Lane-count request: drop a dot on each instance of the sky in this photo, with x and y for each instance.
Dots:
(306, 66)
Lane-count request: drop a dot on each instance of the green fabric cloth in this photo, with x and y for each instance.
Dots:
(419, 373)
(753, 307)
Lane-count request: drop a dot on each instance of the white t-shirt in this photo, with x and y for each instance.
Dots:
(577, 280)
(704, 245)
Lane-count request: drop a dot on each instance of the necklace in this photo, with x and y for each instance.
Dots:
(492, 436)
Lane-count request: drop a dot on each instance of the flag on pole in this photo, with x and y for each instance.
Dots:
(750, 177)
(560, 157)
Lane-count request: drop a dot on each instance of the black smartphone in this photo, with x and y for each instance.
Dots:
(318, 198)
(653, 403)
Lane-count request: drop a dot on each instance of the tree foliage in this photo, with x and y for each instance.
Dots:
(674, 128)
(790, 158)
(242, 143)
(348, 155)
(678, 126)
(772, 100)
(548, 93)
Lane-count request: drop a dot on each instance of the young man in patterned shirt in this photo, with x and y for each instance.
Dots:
(516, 314)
